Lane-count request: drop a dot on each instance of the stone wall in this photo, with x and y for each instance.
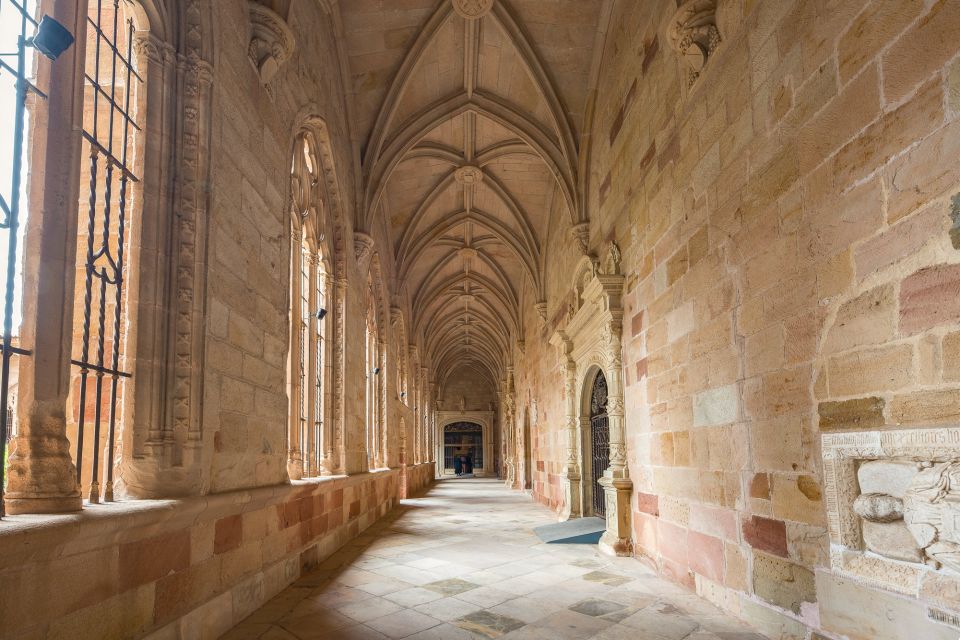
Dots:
(177, 569)
(416, 478)
(787, 219)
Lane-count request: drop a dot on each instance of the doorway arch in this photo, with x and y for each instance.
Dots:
(463, 438)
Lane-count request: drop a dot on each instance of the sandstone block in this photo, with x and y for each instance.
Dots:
(871, 371)
(798, 498)
(926, 407)
(782, 582)
(706, 555)
(871, 31)
(851, 415)
(951, 356)
(867, 319)
(930, 297)
(766, 535)
(716, 406)
(921, 51)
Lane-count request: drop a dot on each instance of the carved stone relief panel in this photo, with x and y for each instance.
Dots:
(271, 42)
(893, 505)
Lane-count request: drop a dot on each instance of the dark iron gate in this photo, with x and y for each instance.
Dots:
(600, 441)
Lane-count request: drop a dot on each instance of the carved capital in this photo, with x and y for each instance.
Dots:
(271, 41)
(693, 34)
(581, 235)
(541, 308)
(363, 247)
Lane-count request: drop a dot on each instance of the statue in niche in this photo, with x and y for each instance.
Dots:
(463, 404)
(930, 510)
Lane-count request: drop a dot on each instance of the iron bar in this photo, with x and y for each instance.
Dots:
(101, 263)
(600, 442)
(12, 223)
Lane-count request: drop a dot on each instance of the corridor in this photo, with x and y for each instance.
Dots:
(462, 562)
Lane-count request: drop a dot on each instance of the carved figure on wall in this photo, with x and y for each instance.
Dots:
(930, 509)
(693, 35)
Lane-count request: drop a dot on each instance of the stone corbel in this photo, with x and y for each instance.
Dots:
(581, 235)
(541, 308)
(271, 42)
(693, 34)
(363, 248)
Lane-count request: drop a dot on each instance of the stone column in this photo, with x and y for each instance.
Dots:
(42, 476)
(328, 463)
(571, 473)
(507, 413)
(618, 488)
(294, 460)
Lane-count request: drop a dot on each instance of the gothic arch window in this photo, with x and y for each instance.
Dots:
(310, 439)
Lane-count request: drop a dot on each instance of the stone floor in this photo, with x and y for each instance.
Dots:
(463, 563)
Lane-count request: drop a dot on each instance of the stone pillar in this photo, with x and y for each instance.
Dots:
(294, 460)
(42, 476)
(507, 410)
(618, 488)
(571, 473)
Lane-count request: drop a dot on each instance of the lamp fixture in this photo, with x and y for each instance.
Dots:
(51, 39)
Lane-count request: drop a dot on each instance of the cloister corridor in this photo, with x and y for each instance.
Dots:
(462, 563)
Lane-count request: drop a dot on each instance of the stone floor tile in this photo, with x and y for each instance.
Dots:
(486, 597)
(369, 609)
(413, 596)
(570, 625)
(448, 609)
(403, 623)
(467, 566)
(596, 607)
(489, 624)
(451, 586)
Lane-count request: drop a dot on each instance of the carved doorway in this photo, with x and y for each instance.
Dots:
(599, 441)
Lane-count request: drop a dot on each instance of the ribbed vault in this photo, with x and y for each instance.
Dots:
(469, 157)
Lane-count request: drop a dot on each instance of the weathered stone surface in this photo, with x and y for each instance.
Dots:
(892, 540)
(716, 406)
(886, 476)
(766, 535)
(851, 415)
(930, 297)
(870, 614)
(867, 319)
(782, 582)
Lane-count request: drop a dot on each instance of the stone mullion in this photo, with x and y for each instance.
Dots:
(328, 462)
(310, 457)
(42, 476)
(382, 390)
(294, 465)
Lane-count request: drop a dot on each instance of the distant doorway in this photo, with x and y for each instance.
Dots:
(599, 442)
(462, 448)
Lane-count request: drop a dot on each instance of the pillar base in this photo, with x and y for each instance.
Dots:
(14, 505)
(571, 507)
(617, 540)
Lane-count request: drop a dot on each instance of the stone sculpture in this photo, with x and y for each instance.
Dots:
(930, 511)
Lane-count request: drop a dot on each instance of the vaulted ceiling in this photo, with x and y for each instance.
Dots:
(469, 114)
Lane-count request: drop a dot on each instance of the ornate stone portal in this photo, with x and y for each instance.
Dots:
(591, 342)
(893, 507)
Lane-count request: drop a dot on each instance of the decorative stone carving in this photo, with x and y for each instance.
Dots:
(271, 41)
(472, 9)
(693, 35)
(468, 175)
(541, 308)
(363, 248)
(611, 265)
(581, 235)
(895, 494)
